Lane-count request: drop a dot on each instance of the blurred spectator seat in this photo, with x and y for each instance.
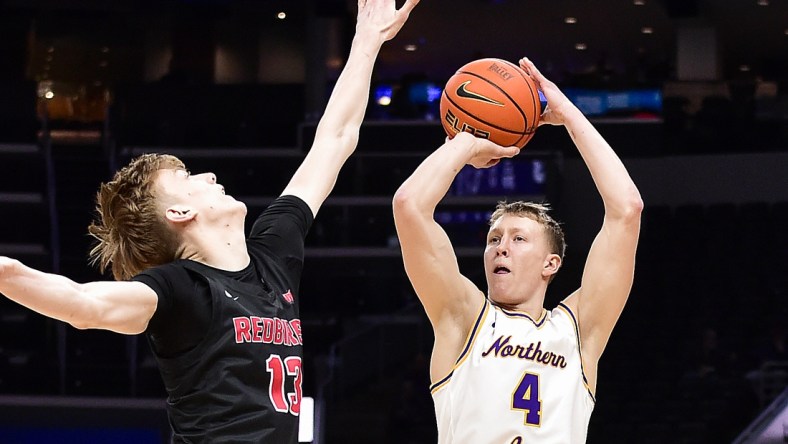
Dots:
(207, 115)
(20, 123)
(770, 380)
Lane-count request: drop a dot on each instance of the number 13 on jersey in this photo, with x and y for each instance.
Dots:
(284, 401)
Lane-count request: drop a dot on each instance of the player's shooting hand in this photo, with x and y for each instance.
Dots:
(484, 153)
(557, 103)
(383, 16)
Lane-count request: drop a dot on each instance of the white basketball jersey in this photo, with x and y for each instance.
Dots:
(517, 380)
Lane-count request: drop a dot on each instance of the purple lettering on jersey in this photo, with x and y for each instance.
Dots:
(501, 348)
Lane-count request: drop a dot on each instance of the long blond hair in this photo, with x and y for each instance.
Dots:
(131, 232)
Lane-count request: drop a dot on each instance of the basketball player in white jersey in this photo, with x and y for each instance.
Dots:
(504, 369)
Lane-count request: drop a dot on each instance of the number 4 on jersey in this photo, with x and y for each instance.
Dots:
(284, 402)
(526, 397)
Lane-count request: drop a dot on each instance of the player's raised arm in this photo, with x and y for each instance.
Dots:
(609, 269)
(450, 300)
(122, 307)
(337, 132)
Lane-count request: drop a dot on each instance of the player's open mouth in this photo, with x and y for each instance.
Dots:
(501, 270)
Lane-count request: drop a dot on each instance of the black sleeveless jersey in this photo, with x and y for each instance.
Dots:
(236, 375)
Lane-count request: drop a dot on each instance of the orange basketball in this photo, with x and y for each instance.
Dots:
(493, 99)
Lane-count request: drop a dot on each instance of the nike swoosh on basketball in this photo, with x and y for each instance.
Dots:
(463, 92)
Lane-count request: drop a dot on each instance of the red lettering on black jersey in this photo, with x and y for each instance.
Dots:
(295, 324)
(267, 330)
(242, 330)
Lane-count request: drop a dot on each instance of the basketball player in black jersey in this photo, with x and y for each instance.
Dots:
(220, 311)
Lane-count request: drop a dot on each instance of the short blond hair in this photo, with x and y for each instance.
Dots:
(539, 213)
(131, 232)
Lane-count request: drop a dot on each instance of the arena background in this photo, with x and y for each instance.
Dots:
(692, 94)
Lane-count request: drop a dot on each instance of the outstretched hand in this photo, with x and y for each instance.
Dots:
(383, 16)
(557, 103)
(484, 153)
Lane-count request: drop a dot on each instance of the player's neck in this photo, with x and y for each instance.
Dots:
(222, 247)
(533, 305)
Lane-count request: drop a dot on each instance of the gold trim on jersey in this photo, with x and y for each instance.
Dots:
(568, 311)
(469, 342)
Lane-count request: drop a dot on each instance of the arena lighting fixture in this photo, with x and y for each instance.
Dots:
(581, 46)
(281, 15)
(763, 2)
(570, 20)
(639, 2)
(647, 30)
(411, 48)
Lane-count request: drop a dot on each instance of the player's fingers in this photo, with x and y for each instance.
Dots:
(408, 6)
(509, 151)
(527, 65)
(494, 150)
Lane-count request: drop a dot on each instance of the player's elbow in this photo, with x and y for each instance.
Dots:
(84, 316)
(630, 207)
(404, 201)
(634, 205)
(81, 323)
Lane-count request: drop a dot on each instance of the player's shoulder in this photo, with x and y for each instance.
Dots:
(178, 272)
(564, 316)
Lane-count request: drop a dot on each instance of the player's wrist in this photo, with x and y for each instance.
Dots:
(368, 37)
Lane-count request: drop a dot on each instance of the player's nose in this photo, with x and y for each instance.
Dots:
(208, 177)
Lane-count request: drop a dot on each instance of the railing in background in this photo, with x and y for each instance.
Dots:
(377, 350)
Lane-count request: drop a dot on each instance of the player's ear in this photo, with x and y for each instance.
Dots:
(180, 213)
(551, 265)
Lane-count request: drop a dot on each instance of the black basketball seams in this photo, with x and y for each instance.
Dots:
(536, 104)
(516, 105)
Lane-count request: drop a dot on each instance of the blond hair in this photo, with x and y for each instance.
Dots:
(131, 231)
(539, 213)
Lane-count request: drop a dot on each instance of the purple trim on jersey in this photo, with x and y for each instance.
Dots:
(475, 328)
(579, 349)
(441, 382)
(516, 314)
(468, 345)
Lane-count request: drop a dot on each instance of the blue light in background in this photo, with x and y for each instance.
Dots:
(424, 93)
(383, 94)
(602, 102)
(542, 100)
(510, 177)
